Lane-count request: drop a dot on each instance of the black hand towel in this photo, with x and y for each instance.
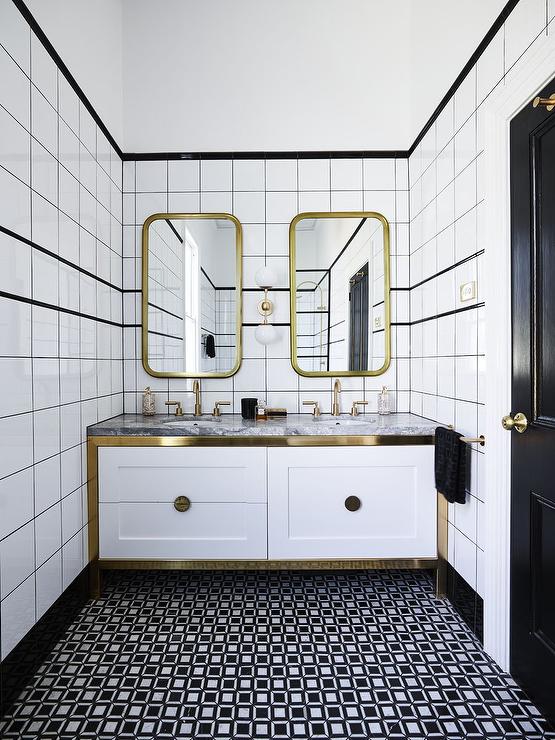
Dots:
(210, 346)
(450, 465)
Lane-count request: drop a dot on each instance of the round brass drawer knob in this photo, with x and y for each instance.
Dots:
(182, 503)
(353, 503)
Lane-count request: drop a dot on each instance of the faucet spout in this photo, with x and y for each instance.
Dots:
(335, 409)
(198, 404)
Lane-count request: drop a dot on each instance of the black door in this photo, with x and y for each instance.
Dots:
(358, 310)
(533, 394)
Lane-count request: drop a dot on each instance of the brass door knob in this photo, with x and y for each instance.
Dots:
(353, 503)
(182, 503)
(518, 422)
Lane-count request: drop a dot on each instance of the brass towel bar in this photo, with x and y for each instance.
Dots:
(481, 440)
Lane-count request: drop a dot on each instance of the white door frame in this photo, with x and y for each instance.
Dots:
(517, 90)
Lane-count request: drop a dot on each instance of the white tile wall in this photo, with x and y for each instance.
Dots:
(60, 187)
(66, 198)
(265, 196)
(448, 212)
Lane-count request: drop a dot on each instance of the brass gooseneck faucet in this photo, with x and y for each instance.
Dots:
(335, 410)
(198, 404)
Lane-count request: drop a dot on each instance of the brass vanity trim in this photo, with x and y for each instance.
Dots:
(238, 290)
(438, 564)
(293, 293)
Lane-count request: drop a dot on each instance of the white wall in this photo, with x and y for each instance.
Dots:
(448, 236)
(443, 37)
(88, 37)
(265, 195)
(60, 322)
(249, 75)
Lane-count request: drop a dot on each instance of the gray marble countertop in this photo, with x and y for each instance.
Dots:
(232, 425)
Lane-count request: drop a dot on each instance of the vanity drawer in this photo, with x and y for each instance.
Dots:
(393, 494)
(207, 531)
(203, 474)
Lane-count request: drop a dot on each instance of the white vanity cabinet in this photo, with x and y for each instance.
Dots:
(261, 503)
(352, 502)
(225, 488)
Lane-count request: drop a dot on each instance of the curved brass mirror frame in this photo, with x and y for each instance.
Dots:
(293, 293)
(238, 288)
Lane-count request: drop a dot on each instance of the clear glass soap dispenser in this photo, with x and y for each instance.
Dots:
(383, 402)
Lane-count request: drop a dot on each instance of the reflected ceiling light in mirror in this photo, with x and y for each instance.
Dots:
(265, 333)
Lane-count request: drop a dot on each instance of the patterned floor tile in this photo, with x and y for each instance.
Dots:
(250, 656)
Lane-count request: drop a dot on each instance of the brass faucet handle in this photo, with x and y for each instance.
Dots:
(316, 405)
(178, 407)
(356, 404)
(217, 405)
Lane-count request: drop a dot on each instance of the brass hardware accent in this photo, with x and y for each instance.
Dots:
(293, 294)
(271, 565)
(238, 292)
(198, 404)
(316, 411)
(481, 440)
(548, 102)
(518, 422)
(178, 407)
(356, 404)
(265, 307)
(96, 564)
(335, 409)
(217, 405)
(353, 503)
(182, 503)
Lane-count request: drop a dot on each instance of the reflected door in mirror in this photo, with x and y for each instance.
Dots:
(340, 313)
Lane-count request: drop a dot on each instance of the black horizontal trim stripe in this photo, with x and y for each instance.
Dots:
(257, 323)
(57, 257)
(162, 334)
(175, 231)
(165, 310)
(448, 269)
(442, 315)
(499, 21)
(59, 309)
(333, 154)
(26, 13)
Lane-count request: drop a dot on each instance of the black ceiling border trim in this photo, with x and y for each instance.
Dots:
(482, 46)
(42, 37)
(348, 154)
(334, 154)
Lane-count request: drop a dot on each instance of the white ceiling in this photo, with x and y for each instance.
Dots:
(215, 75)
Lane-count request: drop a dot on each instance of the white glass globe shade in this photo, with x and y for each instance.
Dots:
(265, 277)
(265, 334)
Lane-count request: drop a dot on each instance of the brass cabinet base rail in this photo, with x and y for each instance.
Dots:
(365, 564)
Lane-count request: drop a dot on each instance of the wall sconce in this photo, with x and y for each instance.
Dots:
(265, 333)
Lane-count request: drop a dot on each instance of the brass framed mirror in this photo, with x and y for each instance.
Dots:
(191, 295)
(340, 294)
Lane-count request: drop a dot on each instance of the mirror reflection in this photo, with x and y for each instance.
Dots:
(340, 293)
(191, 295)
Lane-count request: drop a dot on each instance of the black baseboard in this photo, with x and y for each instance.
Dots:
(467, 602)
(19, 667)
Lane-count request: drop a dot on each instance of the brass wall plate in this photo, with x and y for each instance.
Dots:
(238, 288)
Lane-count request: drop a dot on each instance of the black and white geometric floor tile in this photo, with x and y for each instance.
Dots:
(215, 656)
